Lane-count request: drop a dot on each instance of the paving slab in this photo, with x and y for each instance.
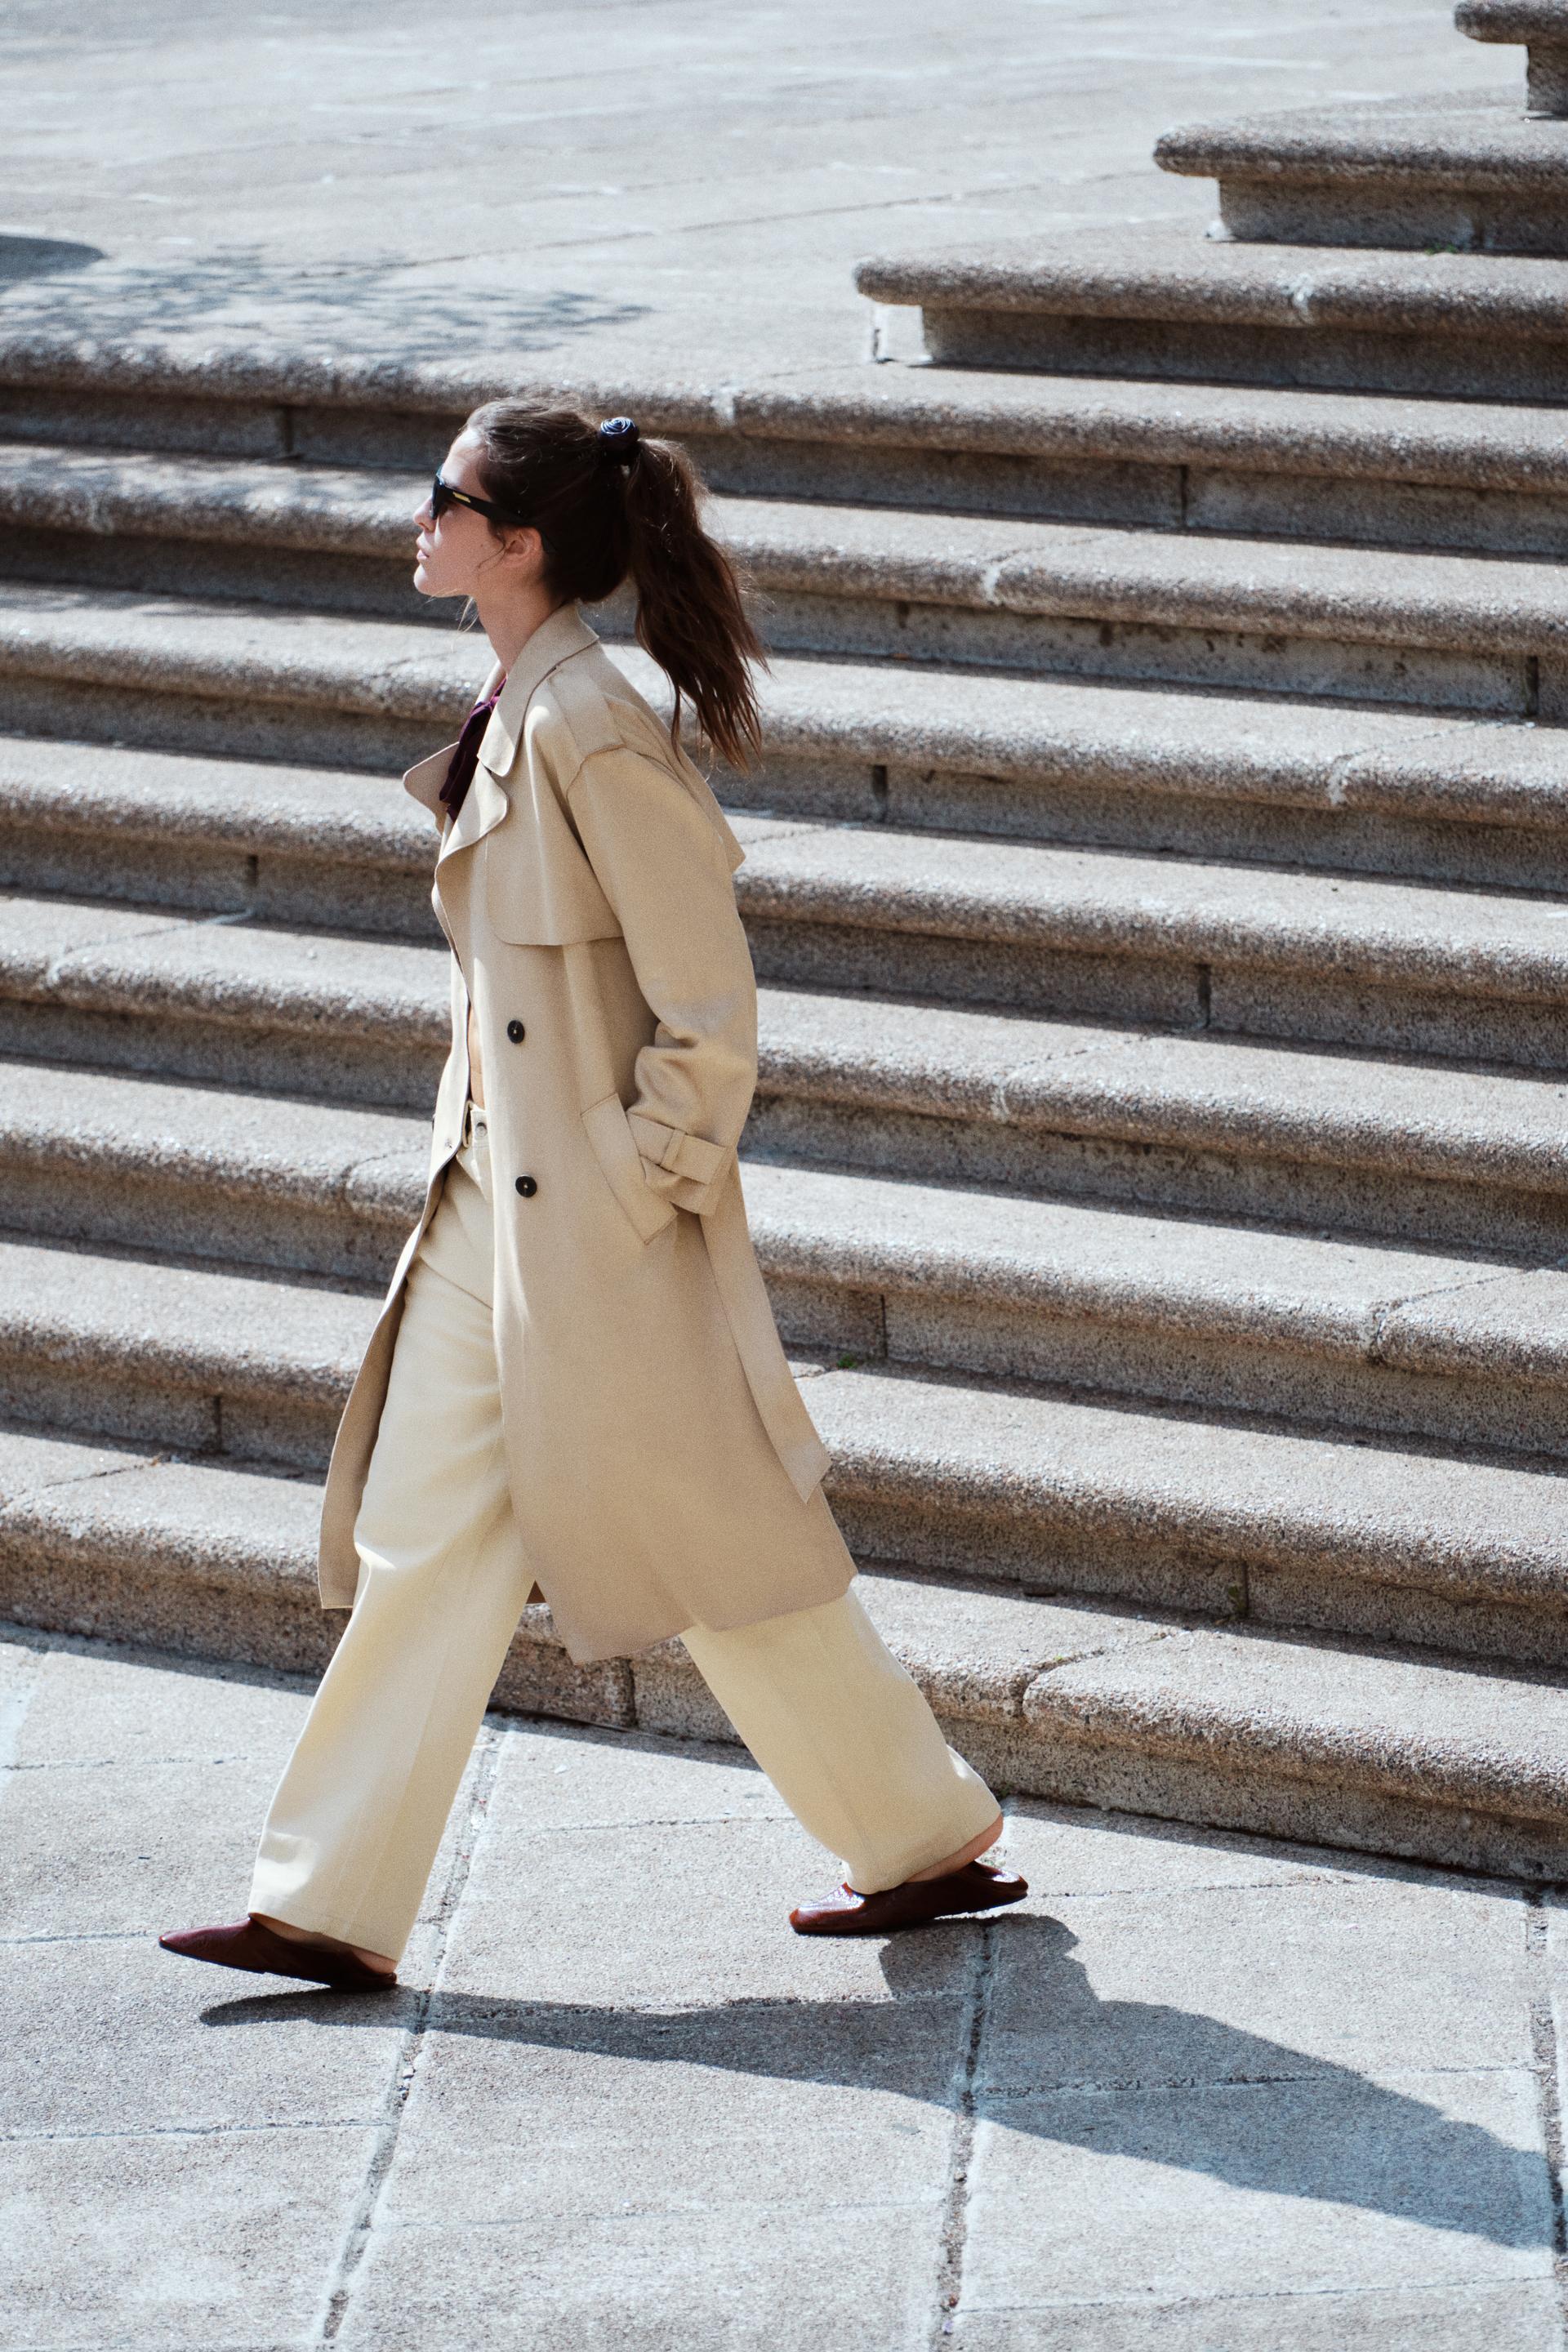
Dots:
(125, 1998)
(1522, 2318)
(1325, 2186)
(1250, 2084)
(539, 1928)
(1229, 1984)
(319, 185)
(161, 2242)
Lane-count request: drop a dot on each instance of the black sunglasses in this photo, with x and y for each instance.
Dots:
(445, 494)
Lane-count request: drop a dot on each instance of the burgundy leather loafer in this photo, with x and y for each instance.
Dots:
(248, 1945)
(978, 1886)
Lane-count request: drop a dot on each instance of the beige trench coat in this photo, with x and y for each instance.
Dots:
(664, 1470)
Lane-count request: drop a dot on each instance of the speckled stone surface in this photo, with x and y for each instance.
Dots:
(1168, 301)
(1271, 2088)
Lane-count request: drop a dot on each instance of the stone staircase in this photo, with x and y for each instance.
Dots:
(1158, 1161)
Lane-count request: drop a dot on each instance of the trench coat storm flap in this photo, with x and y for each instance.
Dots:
(664, 1470)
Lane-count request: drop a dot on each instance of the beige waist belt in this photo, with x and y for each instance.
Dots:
(743, 1294)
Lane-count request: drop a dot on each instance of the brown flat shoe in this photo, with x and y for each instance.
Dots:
(978, 1886)
(248, 1945)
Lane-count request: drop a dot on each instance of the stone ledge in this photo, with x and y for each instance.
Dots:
(1035, 928)
(1459, 139)
(1513, 21)
(1047, 1491)
(1050, 1698)
(1178, 274)
(1013, 565)
(886, 1053)
(1045, 731)
(1325, 1330)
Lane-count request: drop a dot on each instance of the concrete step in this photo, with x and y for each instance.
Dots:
(1201, 1121)
(1537, 23)
(1184, 456)
(1373, 1748)
(224, 999)
(1438, 628)
(232, 680)
(1225, 1128)
(1185, 943)
(1466, 169)
(1045, 1493)
(1189, 456)
(1465, 1351)
(1110, 933)
(1170, 302)
(1352, 786)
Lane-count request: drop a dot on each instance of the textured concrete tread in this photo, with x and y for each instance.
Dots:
(1005, 564)
(218, 649)
(58, 1123)
(1380, 437)
(1280, 1710)
(874, 1054)
(1340, 756)
(1375, 929)
(181, 798)
(1208, 1093)
(1375, 437)
(1462, 1529)
(196, 1327)
(105, 958)
(1372, 927)
(1474, 139)
(1343, 1301)
(1147, 270)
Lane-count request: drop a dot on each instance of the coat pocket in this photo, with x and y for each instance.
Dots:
(610, 1135)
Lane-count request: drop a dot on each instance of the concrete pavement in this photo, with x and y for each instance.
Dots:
(612, 187)
(1199, 2092)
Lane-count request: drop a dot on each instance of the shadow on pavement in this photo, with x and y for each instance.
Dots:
(366, 305)
(1334, 2136)
(42, 257)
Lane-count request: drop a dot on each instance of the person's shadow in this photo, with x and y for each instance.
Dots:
(1115, 2076)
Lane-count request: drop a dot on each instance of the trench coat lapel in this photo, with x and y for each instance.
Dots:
(554, 641)
(486, 802)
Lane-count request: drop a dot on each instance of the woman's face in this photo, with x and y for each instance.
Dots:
(453, 556)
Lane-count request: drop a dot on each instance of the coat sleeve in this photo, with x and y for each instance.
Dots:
(664, 870)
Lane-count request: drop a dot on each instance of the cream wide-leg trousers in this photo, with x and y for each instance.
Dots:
(349, 1842)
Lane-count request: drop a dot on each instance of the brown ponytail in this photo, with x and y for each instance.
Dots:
(608, 505)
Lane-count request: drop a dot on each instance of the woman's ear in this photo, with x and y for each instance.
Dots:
(523, 553)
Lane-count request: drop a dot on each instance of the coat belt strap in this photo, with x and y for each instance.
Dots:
(743, 1294)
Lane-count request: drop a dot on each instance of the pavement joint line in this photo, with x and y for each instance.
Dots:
(120, 1763)
(25, 1495)
(61, 967)
(949, 2283)
(1222, 2298)
(1546, 2051)
(226, 2128)
(361, 2224)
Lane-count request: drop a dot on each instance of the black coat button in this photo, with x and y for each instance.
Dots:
(527, 1187)
(516, 1032)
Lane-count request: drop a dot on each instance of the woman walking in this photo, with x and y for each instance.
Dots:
(576, 1390)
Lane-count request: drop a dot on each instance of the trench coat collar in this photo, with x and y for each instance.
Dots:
(565, 632)
(554, 641)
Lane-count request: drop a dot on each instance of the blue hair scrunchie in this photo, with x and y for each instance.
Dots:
(618, 439)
